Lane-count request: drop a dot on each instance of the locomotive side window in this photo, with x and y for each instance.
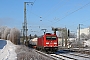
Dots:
(50, 38)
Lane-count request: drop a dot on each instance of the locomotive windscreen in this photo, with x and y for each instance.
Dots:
(50, 37)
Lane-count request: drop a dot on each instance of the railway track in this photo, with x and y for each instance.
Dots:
(68, 56)
(72, 56)
(44, 54)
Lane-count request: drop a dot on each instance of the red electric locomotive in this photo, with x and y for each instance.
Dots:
(48, 42)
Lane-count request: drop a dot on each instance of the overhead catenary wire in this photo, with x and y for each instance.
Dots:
(83, 22)
(33, 2)
(54, 9)
(31, 8)
(49, 10)
(65, 15)
(72, 12)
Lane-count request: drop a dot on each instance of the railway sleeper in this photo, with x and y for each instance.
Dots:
(68, 57)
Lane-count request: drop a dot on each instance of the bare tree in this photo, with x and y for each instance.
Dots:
(2, 29)
(6, 32)
(8, 37)
(14, 35)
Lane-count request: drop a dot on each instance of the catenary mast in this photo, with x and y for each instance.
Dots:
(25, 24)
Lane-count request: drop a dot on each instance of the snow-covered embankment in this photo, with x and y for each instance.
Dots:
(8, 50)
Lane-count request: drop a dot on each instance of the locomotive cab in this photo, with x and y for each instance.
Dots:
(51, 43)
(48, 42)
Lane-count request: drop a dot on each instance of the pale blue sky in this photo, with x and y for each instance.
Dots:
(54, 13)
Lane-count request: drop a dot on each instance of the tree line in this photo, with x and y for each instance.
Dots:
(12, 34)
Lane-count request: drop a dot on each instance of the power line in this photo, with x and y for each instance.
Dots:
(47, 11)
(33, 1)
(86, 20)
(41, 17)
(55, 9)
(73, 12)
(65, 15)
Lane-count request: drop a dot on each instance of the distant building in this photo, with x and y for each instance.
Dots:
(86, 31)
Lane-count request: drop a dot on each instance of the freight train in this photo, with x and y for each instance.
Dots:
(48, 42)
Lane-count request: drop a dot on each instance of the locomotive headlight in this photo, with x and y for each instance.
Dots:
(47, 42)
(55, 42)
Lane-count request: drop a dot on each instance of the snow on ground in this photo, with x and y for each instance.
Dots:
(25, 53)
(7, 50)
